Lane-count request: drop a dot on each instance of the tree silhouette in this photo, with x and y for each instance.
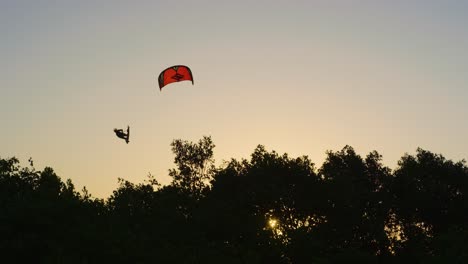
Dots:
(356, 205)
(195, 165)
(430, 200)
(270, 208)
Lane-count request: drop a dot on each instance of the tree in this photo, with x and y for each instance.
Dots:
(254, 205)
(195, 165)
(430, 201)
(357, 203)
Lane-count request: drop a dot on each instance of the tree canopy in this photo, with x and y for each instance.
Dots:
(268, 208)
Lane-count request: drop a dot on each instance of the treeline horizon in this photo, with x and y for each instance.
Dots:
(270, 208)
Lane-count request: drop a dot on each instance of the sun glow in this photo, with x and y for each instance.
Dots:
(273, 223)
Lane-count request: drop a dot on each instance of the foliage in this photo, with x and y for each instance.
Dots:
(270, 208)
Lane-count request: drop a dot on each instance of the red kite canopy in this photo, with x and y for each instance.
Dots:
(175, 73)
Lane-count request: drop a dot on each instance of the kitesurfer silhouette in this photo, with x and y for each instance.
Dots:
(121, 134)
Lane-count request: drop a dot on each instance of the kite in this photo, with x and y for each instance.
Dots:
(175, 73)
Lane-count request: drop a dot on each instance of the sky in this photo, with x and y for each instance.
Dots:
(301, 77)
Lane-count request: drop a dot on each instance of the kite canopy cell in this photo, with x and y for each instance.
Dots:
(175, 73)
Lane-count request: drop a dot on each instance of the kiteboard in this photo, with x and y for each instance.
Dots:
(128, 135)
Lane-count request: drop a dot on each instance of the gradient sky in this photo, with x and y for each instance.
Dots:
(301, 77)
